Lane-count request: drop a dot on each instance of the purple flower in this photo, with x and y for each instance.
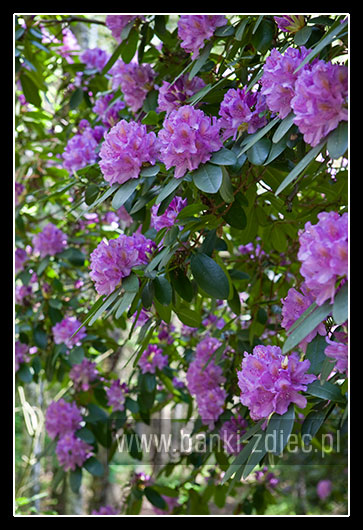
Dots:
(321, 100)
(22, 293)
(210, 405)
(293, 306)
(105, 510)
(134, 80)
(70, 44)
(187, 139)
(323, 254)
(278, 79)
(116, 23)
(231, 433)
(62, 418)
(269, 381)
(240, 111)
(72, 451)
(109, 115)
(167, 219)
(21, 354)
(80, 150)
(49, 241)
(172, 96)
(94, 58)
(126, 147)
(337, 349)
(290, 23)
(193, 30)
(116, 395)
(83, 374)
(152, 358)
(63, 331)
(20, 258)
(113, 260)
(19, 190)
(323, 489)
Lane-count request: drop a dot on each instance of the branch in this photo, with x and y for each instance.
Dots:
(73, 19)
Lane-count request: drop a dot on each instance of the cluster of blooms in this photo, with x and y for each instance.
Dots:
(231, 433)
(193, 30)
(152, 358)
(187, 139)
(320, 100)
(63, 331)
(293, 306)
(109, 115)
(323, 489)
(49, 241)
(113, 260)
(167, 219)
(21, 257)
(62, 420)
(83, 374)
(21, 354)
(204, 380)
(279, 78)
(19, 190)
(94, 58)
(267, 477)
(213, 320)
(80, 150)
(290, 23)
(242, 110)
(116, 23)
(323, 254)
(105, 510)
(337, 349)
(22, 294)
(126, 147)
(172, 96)
(134, 80)
(269, 381)
(116, 395)
(254, 250)
(69, 45)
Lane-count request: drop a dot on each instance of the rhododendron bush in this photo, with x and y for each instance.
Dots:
(181, 264)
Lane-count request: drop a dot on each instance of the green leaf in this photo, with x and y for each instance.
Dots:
(283, 128)
(76, 98)
(303, 35)
(170, 187)
(236, 216)
(312, 423)
(76, 355)
(223, 157)
(315, 354)
(340, 306)
(337, 143)
(253, 138)
(209, 276)
(327, 391)
(30, 90)
(259, 449)
(129, 46)
(163, 290)
(226, 189)
(200, 61)
(124, 192)
(75, 479)
(208, 178)
(278, 238)
(279, 428)
(155, 498)
(182, 284)
(94, 467)
(150, 171)
(188, 316)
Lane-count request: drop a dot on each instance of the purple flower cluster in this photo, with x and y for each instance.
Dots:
(105, 510)
(63, 331)
(293, 307)
(94, 58)
(116, 395)
(152, 358)
(187, 139)
(172, 96)
(323, 254)
(134, 80)
(116, 23)
(21, 257)
(337, 349)
(193, 30)
(240, 111)
(21, 354)
(269, 381)
(231, 433)
(167, 219)
(113, 260)
(71, 451)
(278, 79)
(49, 241)
(83, 374)
(320, 100)
(126, 147)
(290, 23)
(80, 150)
(204, 380)
(109, 115)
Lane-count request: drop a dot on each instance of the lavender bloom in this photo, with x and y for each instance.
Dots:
(113, 260)
(323, 254)
(231, 433)
(80, 150)
(152, 358)
(21, 354)
(70, 45)
(278, 79)
(116, 23)
(269, 381)
(49, 241)
(193, 30)
(72, 452)
(240, 111)
(338, 349)
(108, 115)
(116, 395)
(19, 190)
(321, 100)
(187, 139)
(94, 58)
(105, 510)
(62, 418)
(126, 147)
(173, 96)
(293, 307)
(20, 258)
(290, 23)
(167, 219)
(323, 489)
(134, 80)
(210, 405)
(22, 293)
(83, 374)
(63, 331)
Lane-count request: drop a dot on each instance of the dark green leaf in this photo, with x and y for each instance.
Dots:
(340, 306)
(155, 498)
(123, 193)
(208, 178)
(30, 90)
(223, 157)
(328, 391)
(279, 429)
(188, 316)
(94, 467)
(337, 143)
(283, 127)
(209, 276)
(163, 290)
(258, 153)
(76, 98)
(182, 284)
(75, 479)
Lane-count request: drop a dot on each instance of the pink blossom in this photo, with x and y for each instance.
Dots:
(49, 241)
(134, 80)
(172, 96)
(83, 374)
(72, 452)
(63, 331)
(116, 23)
(61, 418)
(116, 395)
(193, 30)
(152, 358)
